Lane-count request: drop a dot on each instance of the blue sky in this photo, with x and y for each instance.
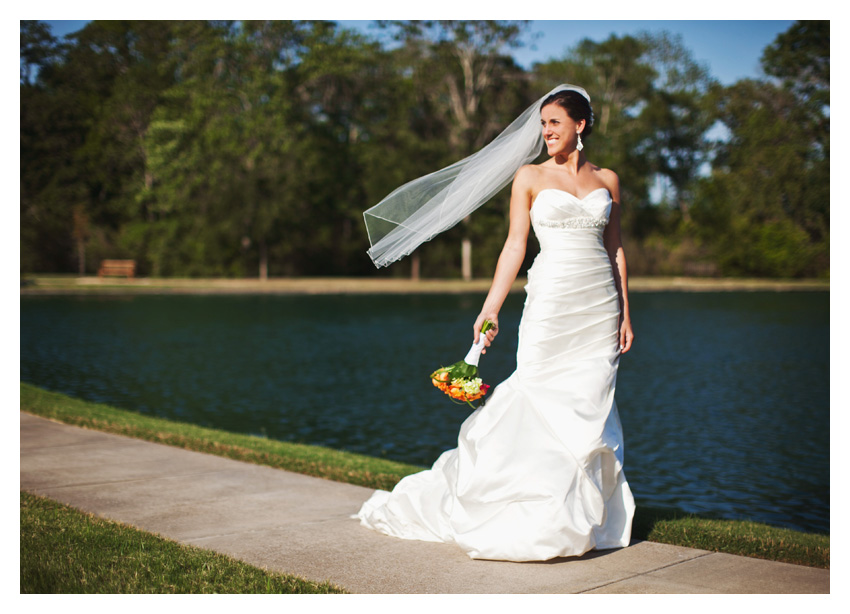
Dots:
(730, 49)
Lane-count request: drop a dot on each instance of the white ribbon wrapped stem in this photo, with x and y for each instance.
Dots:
(474, 353)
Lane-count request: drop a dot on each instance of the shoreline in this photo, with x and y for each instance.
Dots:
(47, 285)
(668, 526)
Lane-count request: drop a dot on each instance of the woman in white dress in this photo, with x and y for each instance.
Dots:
(538, 470)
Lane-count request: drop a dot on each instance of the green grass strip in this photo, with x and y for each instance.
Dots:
(743, 537)
(64, 550)
(299, 458)
(664, 526)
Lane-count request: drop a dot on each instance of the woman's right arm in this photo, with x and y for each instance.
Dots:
(513, 253)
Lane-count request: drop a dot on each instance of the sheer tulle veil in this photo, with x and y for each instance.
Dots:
(423, 208)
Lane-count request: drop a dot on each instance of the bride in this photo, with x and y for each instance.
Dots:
(538, 470)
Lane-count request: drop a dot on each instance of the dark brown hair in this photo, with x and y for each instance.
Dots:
(576, 106)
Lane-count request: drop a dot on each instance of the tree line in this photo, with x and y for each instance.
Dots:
(252, 148)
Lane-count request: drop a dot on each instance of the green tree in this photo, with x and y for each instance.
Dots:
(363, 126)
(467, 86)
(799, 57)
(83, 124)
(766, 205)
(236, 148)
(46, 152)
(677, 117)
(290, 117)
(226, 150)
(39, 50)
(131, 64)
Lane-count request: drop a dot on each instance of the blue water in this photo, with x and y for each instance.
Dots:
(724, 399)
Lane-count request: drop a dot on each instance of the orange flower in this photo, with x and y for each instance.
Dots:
(460, 381)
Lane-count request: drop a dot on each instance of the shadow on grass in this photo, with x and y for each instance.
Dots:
(646, 519)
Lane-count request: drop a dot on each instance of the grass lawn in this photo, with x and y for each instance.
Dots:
(730, 536)
(65, 551)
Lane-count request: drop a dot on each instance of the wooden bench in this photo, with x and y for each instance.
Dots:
(117, 268)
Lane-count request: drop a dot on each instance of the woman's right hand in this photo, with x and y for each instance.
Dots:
(491, 333)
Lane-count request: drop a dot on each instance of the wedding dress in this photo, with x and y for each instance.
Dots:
(538, 470)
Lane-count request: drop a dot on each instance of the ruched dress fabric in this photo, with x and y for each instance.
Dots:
(538, 469)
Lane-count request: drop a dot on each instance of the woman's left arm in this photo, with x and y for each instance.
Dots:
(614, 247)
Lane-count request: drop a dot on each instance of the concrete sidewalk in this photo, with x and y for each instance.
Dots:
(301, 525)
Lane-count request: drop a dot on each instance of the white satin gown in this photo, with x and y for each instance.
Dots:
(538, 470)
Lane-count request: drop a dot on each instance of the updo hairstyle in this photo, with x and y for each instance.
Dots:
(576, 106)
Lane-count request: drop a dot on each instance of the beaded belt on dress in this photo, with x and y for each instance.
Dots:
(575, 222)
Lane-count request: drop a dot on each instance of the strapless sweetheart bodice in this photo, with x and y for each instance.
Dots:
(553, 208)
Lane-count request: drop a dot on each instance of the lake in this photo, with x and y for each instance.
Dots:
(724, 399)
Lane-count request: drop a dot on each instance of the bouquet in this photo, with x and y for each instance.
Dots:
(460, 381)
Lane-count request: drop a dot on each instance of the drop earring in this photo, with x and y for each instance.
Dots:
(579, 145)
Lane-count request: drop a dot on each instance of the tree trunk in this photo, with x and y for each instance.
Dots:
(414, 267)
(684, 207)
(81, 256)
(148, 188)
(264, 261)
(466, 259)
(80, 232)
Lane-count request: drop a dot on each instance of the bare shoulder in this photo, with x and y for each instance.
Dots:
(527, 174)
(610, 180)
(526, 178)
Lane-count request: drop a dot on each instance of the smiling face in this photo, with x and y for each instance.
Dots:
(560, 131)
